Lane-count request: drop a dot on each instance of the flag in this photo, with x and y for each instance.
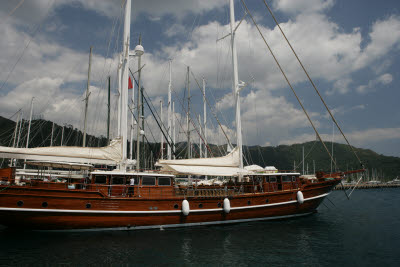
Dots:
(130, 85)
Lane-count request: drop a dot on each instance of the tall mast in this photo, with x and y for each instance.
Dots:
(303, 160)
(200, 143)
(62, 135)
(205, 119)
(52, 133)
(236, 88)
(132, 120)
(173, 126)
(108, 109)
(119, 95)
(189, 154)
(124, 82)
(139, 109)
(29, 126)
(142, 96)
(13, 161)
(162, 135)
(87, 97)
(169, 111)
(20, 126)
(16, 128)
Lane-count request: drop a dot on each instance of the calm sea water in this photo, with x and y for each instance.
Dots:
(362, 232)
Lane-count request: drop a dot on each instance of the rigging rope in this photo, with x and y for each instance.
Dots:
(288, 82)
(311, 81)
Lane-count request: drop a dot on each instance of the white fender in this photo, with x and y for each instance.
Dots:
(185, 207)
(227, 206)
(300, 197)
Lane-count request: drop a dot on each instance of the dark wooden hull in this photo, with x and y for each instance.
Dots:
(25, 208)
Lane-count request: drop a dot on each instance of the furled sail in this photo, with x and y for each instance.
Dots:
(220, 166)
(111, 154)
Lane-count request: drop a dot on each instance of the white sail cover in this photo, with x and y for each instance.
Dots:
(254, 168)
(111, 154)
(220, 166)
(230, 160)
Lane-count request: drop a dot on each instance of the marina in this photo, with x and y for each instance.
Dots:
(366, 186)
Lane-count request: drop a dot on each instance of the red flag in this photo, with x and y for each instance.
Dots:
(130, 85)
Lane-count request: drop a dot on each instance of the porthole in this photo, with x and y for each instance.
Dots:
(200, 205)
(176, 206)
(45, 204)
(248, 202)
(20, 203)
(266, 201)
(88, 205)
(219, 204)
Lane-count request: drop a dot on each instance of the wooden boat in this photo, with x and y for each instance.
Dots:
(157, 202)
(107, 200)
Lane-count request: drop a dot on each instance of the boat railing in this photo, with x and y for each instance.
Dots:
(156, 192)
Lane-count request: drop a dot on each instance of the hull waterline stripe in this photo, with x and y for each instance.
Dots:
(161, 227)
(155, 211)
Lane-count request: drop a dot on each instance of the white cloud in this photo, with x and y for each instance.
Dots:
(174, 30)
(383, 79)
(385, 36)
(341, 86)
(302, 6)
(266, 118)
(343, 110)
(33, 9)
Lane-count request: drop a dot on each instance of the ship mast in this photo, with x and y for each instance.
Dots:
(169, 113)
(87, 97)
(236, 88)
(124, 82)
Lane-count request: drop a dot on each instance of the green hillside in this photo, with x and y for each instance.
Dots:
(282, 157)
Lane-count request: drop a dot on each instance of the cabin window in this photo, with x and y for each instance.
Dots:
(117, 180)
(286, 179)
(149, 180)
(164, 181)
(100, 179)
(293, 178)
(272, 179)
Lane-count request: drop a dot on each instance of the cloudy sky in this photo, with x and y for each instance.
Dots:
(350, 49)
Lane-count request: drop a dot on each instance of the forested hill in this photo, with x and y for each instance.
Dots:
(41, 134)
(285, 156)
(282, 157)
